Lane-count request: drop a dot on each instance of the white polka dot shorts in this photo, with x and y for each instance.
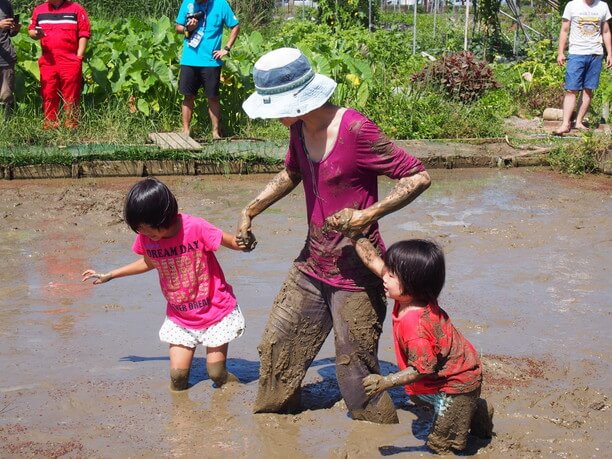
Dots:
(228, 329)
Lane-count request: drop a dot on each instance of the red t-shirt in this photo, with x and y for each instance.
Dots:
(426, 340)
(63, 26)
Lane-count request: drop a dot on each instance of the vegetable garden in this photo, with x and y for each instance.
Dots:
(438, 92)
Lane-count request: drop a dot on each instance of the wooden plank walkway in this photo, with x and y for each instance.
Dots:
(174, 141)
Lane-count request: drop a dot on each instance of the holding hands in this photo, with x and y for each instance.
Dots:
(245, 238)
(374, 384)
(350, 222)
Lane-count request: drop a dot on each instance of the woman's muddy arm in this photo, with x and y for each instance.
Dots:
(369, 255)
(279, 187)
(373, 384)
(406, 190)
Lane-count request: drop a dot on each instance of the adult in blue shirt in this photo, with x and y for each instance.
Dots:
(202, 23)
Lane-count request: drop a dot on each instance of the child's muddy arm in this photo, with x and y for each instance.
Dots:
(373, 384)
(369, 255)
(142, 265)
(280, 186)
(406, 190)
(231, 241)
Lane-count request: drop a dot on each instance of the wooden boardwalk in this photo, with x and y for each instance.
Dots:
(174, 141)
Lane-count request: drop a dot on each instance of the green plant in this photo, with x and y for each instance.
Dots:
(581, 157)
(339, 14)
(460, 75)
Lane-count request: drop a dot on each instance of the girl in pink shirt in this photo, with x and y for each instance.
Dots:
(201, 306)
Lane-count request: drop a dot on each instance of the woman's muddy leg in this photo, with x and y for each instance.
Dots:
(297, 327)
(358, 318)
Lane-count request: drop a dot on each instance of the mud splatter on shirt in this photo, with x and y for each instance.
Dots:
(347, 177)
(426, 340)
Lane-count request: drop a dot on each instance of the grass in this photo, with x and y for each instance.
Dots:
(581, 157)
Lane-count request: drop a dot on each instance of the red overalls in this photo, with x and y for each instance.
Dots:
(60, 67)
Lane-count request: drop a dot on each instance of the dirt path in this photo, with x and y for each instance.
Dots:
(83, 373)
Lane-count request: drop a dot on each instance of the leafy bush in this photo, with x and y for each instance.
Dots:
(537, 98)
(134, 59)
(339, 14)
(582, 157)
(431, 115)
(115, 9)
(459, 75)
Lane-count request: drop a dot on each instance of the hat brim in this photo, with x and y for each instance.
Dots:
(294, 103)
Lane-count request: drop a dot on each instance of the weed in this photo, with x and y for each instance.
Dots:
(582, 157)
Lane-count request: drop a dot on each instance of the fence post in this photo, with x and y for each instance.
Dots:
(467, 20)
(414, 28)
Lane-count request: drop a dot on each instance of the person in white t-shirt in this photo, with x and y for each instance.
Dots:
(585, 21)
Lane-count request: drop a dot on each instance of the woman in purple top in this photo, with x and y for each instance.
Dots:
(338, 154)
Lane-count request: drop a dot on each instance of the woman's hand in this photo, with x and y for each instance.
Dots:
(99, 278)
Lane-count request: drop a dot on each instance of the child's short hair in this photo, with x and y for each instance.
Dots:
(150, 202)
(420, 267)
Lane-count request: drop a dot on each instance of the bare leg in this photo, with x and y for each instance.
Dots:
(214, 111)
(180, 364)
(587, 95)
(215, 365)
(187, 113)
(568, 107)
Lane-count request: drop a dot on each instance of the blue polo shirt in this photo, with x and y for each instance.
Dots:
(217, 14)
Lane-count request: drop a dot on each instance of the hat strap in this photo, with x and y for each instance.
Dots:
(301, 81)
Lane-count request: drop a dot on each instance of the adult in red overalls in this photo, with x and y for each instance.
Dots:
(63, 30)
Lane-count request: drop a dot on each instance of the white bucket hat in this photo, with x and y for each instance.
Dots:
(286, 86)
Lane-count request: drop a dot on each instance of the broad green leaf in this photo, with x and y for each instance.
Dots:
(143, 106)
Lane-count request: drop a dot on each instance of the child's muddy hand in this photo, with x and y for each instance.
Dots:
(346, 221)
(340, 221)
(99, 278)
(373, 384)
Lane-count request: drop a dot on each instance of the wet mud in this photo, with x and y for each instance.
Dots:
(83, 373)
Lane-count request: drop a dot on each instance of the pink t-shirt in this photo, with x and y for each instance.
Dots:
(346, 177)
(190, 276)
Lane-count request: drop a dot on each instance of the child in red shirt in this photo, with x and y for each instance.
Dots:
(438, 366)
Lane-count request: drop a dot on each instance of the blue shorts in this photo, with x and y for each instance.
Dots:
(582, 71)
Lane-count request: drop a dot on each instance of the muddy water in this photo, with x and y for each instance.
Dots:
(83, 373)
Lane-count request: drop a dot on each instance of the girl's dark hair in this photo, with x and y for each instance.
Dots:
(419, 265)
(150, 202)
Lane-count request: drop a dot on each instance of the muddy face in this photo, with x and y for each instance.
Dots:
(84, 374)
